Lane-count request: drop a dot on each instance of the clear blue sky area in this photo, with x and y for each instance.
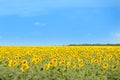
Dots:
(59, 22)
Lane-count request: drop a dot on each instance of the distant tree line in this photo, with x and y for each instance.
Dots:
(94, 45)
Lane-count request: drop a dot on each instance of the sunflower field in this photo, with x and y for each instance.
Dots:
(60, 63)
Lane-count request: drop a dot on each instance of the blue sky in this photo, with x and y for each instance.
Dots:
(59, 22)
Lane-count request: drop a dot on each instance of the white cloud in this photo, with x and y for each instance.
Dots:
(115, 37)
(39, 24)
(37, 7)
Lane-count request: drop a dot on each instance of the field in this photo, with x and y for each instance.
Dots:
(60, 63)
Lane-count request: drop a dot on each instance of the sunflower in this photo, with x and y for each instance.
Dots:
(81, 64)
(9, 63)
(34, 61)
(114, 67)
(68, 64)
(80, 60)
(23, 62)
(47, 66)
(24, 67)
(99, 62)
(95, 61)
(74, 65)
(55, 64)
(62, 62)
(14, 63)
(105, 65)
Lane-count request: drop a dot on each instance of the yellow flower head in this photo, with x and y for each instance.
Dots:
(24, 67)
(24, 62)
(105, 65)
(47, 66)
(9, 63)
(68, 64)
(81, 64)
(14, 63)
(74, 65)
(114, 67)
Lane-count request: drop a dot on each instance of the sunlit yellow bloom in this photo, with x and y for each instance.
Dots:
(105, 65)
(14, 63)
(47, 66)
(68, 64)
(80, 60)
(81, 64)
(62, 62)
(10, 63)
(95, 61)
(74, 65)
(35, 60)
(23, 62)
(114, 67)
(98, 62)
(24, 67)
(55, 64)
